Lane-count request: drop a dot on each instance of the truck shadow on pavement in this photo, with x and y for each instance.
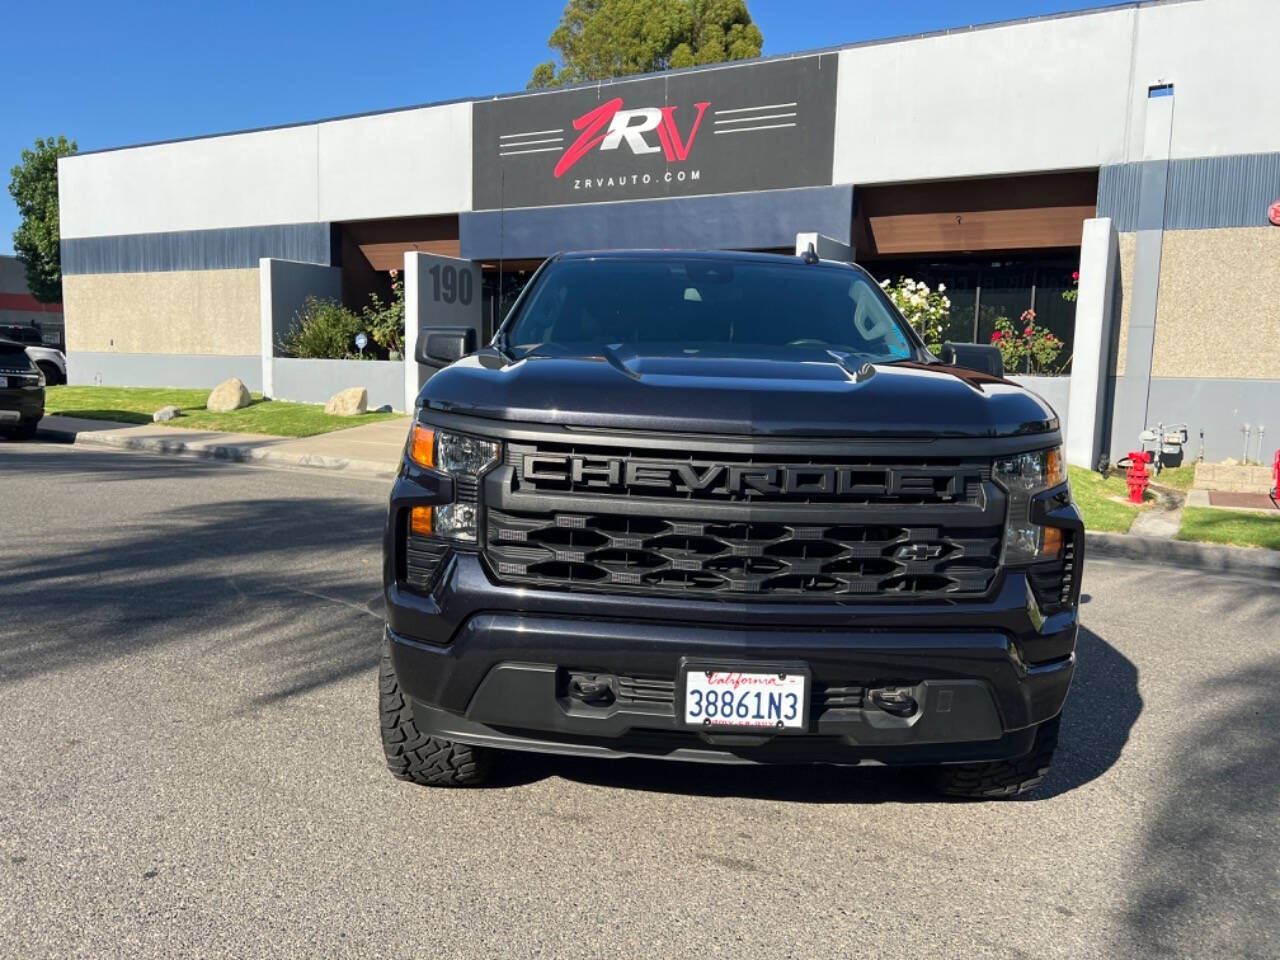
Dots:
(268, 594)
(1103, 706)
(1205, 874)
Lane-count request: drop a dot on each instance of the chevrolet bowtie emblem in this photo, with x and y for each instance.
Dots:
(918, 551)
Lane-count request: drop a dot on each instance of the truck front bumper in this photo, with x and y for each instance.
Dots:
(486, 664)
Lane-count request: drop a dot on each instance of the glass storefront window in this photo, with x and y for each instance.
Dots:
(983, 289)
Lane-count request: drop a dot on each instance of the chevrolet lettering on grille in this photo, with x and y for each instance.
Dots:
(624, 475)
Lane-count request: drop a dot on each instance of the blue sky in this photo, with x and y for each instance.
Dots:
(110, 74)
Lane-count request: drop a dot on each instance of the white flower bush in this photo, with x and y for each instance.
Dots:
(925, 309)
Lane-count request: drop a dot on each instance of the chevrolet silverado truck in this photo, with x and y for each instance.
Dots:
(727, 507)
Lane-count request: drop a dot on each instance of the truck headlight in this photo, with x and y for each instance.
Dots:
(1023, 475)
(463, 458)
(460, 455)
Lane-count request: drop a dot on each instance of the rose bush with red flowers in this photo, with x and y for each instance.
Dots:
(1033, 349)
(1070, 295)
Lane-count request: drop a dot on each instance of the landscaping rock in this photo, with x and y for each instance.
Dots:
(348, 403)
(165, 414)
(227, 396)
(385, 408)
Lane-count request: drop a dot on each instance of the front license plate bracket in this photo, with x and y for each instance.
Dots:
(765, 715)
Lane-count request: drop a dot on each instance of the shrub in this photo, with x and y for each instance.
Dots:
(1031, 346)
(386, 321)
(925, 309)
(322, 330)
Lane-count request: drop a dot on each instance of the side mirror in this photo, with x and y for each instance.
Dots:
(442, 346)
(974, 356)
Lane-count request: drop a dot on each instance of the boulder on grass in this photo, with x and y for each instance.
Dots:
(348, 403)
(227, 396)
(165, 414)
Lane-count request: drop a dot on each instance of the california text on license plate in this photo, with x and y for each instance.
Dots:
(735, 698)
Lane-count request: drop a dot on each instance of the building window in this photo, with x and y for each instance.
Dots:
(982, 289)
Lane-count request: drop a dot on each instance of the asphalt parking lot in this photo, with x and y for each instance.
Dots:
(191, 767)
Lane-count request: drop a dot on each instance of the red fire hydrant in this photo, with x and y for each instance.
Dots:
(1136, 476)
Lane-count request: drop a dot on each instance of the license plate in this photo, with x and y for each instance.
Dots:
(4, 382)
(759, 698)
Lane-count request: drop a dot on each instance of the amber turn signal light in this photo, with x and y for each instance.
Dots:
(420, 521)
(422, 451)
(1052, 541)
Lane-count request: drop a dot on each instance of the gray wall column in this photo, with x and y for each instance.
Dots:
(1132, 393)
(1091, 365)
(284, 286)
(413, 378)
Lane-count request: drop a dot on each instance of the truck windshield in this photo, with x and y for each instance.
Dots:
(585, 306)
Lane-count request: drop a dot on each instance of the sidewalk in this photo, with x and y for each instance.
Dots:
(372, 450)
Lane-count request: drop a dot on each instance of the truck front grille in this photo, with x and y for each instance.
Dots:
(741, 525)
(650, 554)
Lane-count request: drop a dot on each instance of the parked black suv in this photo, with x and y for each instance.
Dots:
(21, 392)
(727, 507)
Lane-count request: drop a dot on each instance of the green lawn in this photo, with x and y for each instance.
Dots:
(1094, 496)
(1228, 526)
(276, 418)
(1180, 478)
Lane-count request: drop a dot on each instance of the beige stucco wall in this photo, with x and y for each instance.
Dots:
(1128, 243)
(211, 312)
(1218, 313)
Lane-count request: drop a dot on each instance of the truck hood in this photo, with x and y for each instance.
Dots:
(809, 393)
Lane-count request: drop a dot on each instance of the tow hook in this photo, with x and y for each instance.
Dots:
(895, 700)
(592, 689)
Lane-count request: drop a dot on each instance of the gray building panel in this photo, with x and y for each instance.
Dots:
(766, 220)
(225, 249)
(1222, 191)
(1203, 192)
(89, 368)
(1219, 408)
(315, 381)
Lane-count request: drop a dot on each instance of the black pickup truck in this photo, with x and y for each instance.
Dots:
(728, 508)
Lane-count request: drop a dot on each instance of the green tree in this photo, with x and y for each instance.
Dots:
(599, 39)
(34, 188)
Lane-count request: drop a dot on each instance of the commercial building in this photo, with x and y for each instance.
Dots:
(1136, 143)
(18, 308)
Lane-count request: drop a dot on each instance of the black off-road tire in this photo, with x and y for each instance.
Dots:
(414, 756)
(1002, 779)
(52, 375)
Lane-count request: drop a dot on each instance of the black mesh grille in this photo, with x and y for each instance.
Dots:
(666, 521)
(689, 557)
(641, 690)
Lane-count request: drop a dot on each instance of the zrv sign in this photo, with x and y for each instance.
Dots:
(720, 130)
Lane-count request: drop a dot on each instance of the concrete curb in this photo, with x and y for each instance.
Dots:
(1206, 557)
(228, 452)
